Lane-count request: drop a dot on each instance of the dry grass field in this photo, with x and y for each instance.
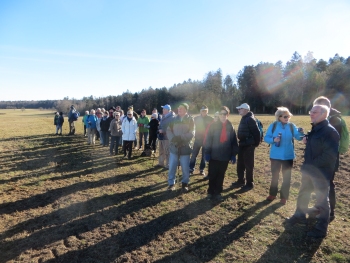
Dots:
(62, 200)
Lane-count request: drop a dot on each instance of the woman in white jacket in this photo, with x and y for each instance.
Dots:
(129, 128)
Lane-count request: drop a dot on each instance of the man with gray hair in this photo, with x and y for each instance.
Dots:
(201, 122)
(168, 115)
(320, 156)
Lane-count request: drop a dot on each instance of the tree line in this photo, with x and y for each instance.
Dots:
(263, 86)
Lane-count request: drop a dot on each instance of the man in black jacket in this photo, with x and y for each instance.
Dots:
(320, 156)
(335, 121)
(249, 137)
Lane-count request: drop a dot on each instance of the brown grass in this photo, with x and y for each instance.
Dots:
(64, 201)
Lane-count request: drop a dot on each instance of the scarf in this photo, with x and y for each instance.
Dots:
(223, 136)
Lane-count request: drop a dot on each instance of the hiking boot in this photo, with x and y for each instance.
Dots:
(270, 198)
(202, 172)
(291, 221)
(283, 201)
(237, 184)
(247, 187)
(316, 233)
(171, 188)
(184, 187)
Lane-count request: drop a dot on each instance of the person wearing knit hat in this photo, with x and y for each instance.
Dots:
(201, 123)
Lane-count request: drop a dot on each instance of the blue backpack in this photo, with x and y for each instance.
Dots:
(75, 115)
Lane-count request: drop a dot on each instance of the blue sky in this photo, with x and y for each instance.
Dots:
(53, 49)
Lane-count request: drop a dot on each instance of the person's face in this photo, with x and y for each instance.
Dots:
(105, 115)
(284, 118)
(181, 110)
(242, 112)
(143, 113)
(316, 114)
(118, 108)
(130, 115)
(223, 116)
(117, 116)
(204, 113)
(165, 111)
(154, 111)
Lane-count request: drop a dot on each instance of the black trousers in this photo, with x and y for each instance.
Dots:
(216, 176)
(245, 163)
(152, 141)
(127, 146)
(276, 166)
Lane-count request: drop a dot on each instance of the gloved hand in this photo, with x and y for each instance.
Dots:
(233, 159)
(207, 157)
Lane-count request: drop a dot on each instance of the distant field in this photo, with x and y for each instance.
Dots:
(62, 200)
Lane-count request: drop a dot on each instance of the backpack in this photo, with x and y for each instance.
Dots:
(344, 137)
(261, 128)
(75, 116)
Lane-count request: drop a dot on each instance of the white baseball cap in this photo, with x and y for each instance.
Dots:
(243, 106)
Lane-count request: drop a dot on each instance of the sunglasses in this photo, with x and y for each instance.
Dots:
(285, 117)
(222, 113)
(130, 114)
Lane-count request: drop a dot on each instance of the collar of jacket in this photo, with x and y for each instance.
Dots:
(319, 125)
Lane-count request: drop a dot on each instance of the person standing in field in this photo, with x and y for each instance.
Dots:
(71, 120)
(84, 122)
(153, 129)
(104, 125)
(180, 133)
(91, 126)
(60, 123)
(55, 121)
(115, 129)
(280, 135)
(142, 123)
(201, 122)
(249, 138)
(168, 115)
(320, 157)
(335, 120)
(221, 147)
(129, 128)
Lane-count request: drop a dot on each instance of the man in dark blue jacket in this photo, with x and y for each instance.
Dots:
(319, 160)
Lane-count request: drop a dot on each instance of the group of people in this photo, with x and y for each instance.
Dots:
(180, 138)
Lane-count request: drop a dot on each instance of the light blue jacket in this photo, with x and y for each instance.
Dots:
(286, 149)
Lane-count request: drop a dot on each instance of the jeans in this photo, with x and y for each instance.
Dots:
(58, 128)
(104, 138)
(196, 148)
(276, 166)
(114, 144)
(143, 135)
(173, 163)
(245, 163)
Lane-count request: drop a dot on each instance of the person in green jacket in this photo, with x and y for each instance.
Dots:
(84, 121)
(142, 123)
